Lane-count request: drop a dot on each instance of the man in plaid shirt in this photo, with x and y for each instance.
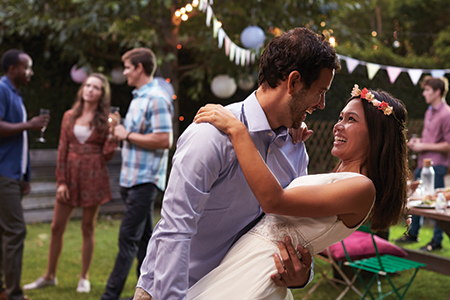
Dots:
(147, 137)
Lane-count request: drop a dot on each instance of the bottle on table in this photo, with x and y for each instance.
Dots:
(427, 177)
(441, 203)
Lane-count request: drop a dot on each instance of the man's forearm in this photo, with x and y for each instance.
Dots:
(8, 129)
(443, 147)
(151, 140)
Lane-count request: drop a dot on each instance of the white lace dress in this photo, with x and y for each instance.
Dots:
(245, 271)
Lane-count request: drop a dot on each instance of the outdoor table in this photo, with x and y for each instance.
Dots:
(434, 262)
(443, 219)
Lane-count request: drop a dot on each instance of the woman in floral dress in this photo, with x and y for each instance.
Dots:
(85, 146)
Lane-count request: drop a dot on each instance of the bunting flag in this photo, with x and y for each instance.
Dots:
(372, 70)
(220, 37)
(351, 64)
(242, 56)
(414, 74)
(392, 71)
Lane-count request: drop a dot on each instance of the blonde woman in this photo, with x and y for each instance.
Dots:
(81, 174)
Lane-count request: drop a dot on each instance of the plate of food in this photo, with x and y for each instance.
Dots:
(422, 203)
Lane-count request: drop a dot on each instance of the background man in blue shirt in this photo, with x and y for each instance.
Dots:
(14, 167)
(208, 204)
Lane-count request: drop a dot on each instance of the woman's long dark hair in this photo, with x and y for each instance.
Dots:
(100, 120)
(387, 162)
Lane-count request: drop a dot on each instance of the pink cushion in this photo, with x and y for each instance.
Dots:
(359, 245)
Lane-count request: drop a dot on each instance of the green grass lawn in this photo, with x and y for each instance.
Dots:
(427, 285)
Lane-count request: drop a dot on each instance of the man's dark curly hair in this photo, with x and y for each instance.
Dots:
(299, 49)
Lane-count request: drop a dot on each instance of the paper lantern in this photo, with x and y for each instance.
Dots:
(253, 37)
(78, 75)
(167, 86)
(246, 83)
(223, 86)
(117, 75)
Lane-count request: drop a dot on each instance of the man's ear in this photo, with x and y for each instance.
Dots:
(295, 82)
(140, 67)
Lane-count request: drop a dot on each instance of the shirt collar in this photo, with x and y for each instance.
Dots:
(8, 83)
(438, 108)
(143, 89)
(256, 118)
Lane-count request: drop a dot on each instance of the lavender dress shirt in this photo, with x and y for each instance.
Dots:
(208, 205)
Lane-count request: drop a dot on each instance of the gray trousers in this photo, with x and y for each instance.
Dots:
(12, 236)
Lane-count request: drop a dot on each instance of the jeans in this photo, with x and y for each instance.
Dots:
(12, 236)
(135, 232)
(417, 221)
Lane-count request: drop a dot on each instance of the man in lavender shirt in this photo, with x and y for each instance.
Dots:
(435, 144)
(208, 204)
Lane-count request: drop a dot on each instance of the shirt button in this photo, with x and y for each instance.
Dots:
(270, 151)
(270, 133)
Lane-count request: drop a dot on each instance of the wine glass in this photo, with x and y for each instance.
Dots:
(43, 111)
(115, 110)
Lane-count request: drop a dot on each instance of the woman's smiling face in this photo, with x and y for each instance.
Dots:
(351, 135)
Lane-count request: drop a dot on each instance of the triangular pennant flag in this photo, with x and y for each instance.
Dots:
(220, 37)
(253, 57)
(247, 53)
(215, 27)
(227, 45)
(351, 64)
(232, 50)
(437, 73)
(415, 74)
(202, 5)
(243, 56)
(393, 73)
(209, 14)
(372, 70)
(238, 55)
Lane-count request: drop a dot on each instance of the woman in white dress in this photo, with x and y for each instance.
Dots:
(316, 211)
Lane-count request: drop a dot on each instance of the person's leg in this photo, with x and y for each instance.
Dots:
(13, 232)
(148, 229)
(61, 217)
(87, 230)
(137, 207)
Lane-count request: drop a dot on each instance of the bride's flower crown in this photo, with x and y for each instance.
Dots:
(365, 94)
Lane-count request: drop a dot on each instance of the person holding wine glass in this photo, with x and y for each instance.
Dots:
(14, 167)
(81, 173)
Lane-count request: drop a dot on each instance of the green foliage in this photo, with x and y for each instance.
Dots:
(95, 33)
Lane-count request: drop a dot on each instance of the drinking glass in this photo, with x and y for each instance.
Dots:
(43, 111)
(114, 110)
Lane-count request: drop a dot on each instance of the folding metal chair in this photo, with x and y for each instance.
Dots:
(331, 279)
(381, 265)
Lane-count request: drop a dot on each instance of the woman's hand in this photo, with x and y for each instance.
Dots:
(301, 134)
(62, 193)
(218, 116)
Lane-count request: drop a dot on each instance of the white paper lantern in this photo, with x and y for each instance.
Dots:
(223, 86)
(117, 75)
(246, 83)
(167, 86)
(253, 37)
(78, 75)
